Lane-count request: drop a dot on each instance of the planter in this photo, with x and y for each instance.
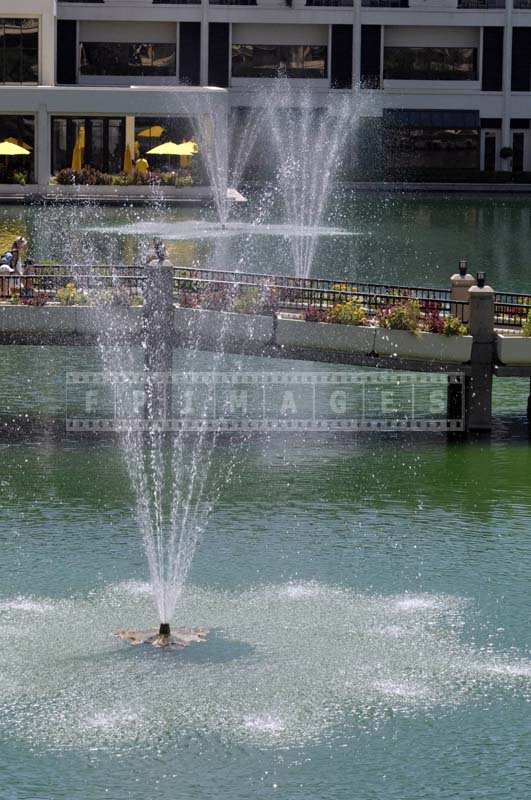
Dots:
(514, 350)
(304, 335)
(108, 320)
(31, 319)
(423, 346)
(196, 324)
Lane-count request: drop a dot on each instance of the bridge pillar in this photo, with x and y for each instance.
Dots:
(158, 338)
(478, 386)
(461, 282)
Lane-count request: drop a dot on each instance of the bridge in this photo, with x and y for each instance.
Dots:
(286, 317)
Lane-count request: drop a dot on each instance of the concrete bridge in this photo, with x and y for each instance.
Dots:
(275, 316)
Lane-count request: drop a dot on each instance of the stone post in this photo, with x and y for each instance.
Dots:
(158, 337)
(461, 282)
(478, 394)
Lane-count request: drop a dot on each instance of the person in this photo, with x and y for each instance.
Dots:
(142, 166)
(12, 261)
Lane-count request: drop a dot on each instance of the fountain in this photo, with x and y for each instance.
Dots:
(307, 134)
(168, 473)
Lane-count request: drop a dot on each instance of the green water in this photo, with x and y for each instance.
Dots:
(368, 597)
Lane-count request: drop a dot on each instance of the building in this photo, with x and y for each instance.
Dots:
(449, 81)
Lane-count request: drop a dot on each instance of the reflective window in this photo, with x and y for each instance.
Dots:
(19, 55)
(101, 140)
(19, 130)
(272, 61)
(412, 150)
(431, 63)
(122, 58)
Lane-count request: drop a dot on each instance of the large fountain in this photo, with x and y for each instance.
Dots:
(170, 474)
(302, 137)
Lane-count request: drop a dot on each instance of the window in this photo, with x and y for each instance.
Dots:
(412, 151)
(19, 43)
(19, 130)
(271, 61)
(102, 140)
(431, 63)
(131, 59)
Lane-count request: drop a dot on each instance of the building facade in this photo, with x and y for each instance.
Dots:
(446, 83)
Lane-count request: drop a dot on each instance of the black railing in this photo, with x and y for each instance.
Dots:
(112, 283)
(124, 286)
(511, 310)
(259, 278)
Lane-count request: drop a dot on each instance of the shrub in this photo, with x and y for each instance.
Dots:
(69, 295)
(315, 314)
(526, 329)
(248, 300)
(20, 177)
(454, 327)
(188, 299)
(433, 322)
(404, 316)
(37, 299)
(348, 313)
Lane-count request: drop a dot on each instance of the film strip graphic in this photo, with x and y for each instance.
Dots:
(235, 401)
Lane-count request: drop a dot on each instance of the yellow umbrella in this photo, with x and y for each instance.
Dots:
(77, 155)
(173, 149)
(128, 161)
(27, 147)
(77, 162)
(12, 149)
(152, 133)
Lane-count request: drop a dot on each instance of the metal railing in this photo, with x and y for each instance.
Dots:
(120, 284)
(511, 310)
(124, 286)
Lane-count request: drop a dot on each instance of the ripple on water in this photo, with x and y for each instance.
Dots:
(284, 664)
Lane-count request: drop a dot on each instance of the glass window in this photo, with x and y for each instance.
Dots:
(271, 61)
(102, 140)
(413, 150)
(431, 63)
(19, 130)
(128, 59)
(19, 57)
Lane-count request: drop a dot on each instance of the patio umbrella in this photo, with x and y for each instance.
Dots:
(152, 133)
(173, 149)
(19, 142)
(11, 149)
(128, 161)
(77, 154)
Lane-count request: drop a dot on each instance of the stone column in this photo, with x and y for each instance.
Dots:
(42, 150)
(461, 282)
(158, 338)
(478, 394)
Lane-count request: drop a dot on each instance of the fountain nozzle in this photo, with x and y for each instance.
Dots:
(164, 629)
